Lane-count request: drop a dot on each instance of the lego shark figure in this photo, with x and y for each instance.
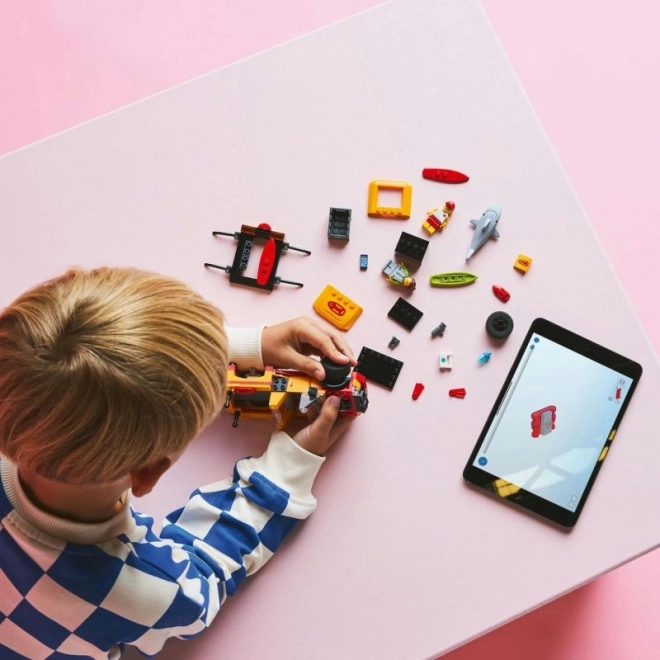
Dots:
(485, 228)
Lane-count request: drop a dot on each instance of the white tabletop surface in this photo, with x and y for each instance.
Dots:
(401, 560)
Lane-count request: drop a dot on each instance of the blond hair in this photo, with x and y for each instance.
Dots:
(105, 371)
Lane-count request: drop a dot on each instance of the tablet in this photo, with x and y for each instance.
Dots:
(553, 423)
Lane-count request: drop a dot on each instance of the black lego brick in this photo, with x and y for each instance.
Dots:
(339, 224)
(411, 249)
(378, 368)
(404, 313)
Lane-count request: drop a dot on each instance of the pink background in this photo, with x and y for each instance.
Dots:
(589, 72)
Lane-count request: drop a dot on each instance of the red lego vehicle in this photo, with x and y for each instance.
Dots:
(544, 421)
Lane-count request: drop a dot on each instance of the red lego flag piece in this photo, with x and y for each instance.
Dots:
(419, 388)
(501, 293)
(458, 393)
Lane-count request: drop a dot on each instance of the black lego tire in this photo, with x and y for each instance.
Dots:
(499, 325)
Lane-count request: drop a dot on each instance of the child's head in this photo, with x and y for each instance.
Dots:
(105, 371)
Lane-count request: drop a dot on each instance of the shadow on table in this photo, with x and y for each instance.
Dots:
(544, 634)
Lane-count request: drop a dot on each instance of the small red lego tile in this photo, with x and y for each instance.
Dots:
(419, 388)
(444, 176)
(458, 393)
(501, 293)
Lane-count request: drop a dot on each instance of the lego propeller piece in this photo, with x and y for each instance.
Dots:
(274, 245)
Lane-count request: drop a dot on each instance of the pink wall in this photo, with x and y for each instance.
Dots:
(589, 70)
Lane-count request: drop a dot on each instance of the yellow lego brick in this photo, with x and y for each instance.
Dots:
(402, 212)
(523, 263)
(337, 308)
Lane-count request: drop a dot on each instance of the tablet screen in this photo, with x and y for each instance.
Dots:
(553, 423)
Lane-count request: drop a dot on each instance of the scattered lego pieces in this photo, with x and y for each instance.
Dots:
(445, 361)
(458, 392)
(417, 390)
(453, 279)
(273, 247)
(394, 342)
(484, 228)
(399, 275)
(484, 357)
(339, 224)
(364, 261)
(402, 212)
(522, 263)
(501, 293)
(411, 249)
(378, 368)
(337, 308)
(444, 176)
(438, 221)
(439, 330)
(499, 325)
(404, 313)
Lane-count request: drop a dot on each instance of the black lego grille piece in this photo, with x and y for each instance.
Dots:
(404, 313)
(339, 224)
(378, 368)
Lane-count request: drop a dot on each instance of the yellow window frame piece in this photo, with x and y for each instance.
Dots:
(396, 212)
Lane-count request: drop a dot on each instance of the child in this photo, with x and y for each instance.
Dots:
(105, 377)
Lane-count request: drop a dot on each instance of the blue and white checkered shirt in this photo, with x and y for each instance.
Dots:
(77, 590)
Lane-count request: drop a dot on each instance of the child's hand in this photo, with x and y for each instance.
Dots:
(289, 345)
(322, 433)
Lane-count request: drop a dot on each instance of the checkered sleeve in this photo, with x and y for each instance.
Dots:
(233, 527)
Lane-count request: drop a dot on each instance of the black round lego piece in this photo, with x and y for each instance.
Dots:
(336, 375)
(499, 325)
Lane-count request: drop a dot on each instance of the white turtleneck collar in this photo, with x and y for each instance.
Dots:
(46, 525)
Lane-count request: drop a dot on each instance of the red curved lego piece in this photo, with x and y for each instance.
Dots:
(444, 176)
(266, 262)
(419, 388)
(458, 393)
(501, 293)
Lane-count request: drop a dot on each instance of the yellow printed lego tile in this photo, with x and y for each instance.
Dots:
(337, 308)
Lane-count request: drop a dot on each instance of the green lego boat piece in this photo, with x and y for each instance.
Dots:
(453, 279)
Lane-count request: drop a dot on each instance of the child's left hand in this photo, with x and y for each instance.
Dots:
(289, 345)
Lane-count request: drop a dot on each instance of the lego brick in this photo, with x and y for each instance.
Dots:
(405, 314)
(337, 308)
(339, 224)
(378, 368)
(375, 210)
(411, 249)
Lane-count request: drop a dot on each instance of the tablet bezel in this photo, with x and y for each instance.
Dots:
(491, 483)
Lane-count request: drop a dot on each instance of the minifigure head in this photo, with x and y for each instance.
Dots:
(409, 283)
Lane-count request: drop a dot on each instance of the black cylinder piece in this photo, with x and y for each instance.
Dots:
(336, 375)
(499, 325)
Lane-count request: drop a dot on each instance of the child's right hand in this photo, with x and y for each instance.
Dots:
(322, 433)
